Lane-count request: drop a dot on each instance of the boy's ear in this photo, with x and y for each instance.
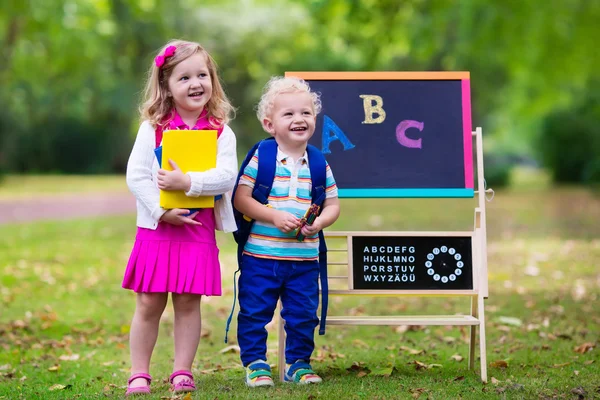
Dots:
(268, 126)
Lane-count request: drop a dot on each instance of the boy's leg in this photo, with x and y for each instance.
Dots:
(258, 294)
(300, 300)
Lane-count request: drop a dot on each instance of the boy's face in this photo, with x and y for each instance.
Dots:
(292, 119)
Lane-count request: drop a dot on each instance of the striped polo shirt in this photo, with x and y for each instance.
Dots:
(291, 192)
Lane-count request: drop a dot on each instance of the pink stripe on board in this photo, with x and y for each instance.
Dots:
(467, 128)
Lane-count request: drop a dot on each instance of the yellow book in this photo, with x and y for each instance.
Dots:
(192, 150)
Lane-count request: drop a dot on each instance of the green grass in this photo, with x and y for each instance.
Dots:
(60, 297)
(27, 186)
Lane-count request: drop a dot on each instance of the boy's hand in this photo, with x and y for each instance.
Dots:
(285, 221)
(173, 180)
(311, 230)
(177, 216)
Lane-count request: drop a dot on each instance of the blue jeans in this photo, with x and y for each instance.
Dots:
(262, 282)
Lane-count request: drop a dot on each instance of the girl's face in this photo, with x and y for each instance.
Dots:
(190, 85)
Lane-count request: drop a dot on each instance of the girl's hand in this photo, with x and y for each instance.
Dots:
(311, 230)
(285, 221)
(173, 180)
(177, 216)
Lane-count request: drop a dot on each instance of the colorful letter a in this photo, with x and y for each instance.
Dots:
(333, 132)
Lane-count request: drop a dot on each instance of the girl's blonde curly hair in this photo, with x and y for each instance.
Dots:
(157, 105)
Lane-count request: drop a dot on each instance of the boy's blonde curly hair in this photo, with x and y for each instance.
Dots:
(278, 85)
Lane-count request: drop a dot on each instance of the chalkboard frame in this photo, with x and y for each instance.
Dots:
(462, 243)
(439, 192)
(476, 273)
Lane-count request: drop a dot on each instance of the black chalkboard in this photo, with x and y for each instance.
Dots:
(412, 263)
(396, 137)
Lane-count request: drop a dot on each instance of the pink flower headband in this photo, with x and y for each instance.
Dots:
(160, 59)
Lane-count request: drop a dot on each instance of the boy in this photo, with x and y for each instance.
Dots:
(275, 265)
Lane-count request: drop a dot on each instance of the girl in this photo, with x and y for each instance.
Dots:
(173, 251)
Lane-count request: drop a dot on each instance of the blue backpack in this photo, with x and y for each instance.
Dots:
(267, 149)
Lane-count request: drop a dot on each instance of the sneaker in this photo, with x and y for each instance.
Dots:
(301, 373)
(258, 373)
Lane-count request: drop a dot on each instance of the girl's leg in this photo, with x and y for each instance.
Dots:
(144, 331)
(186, 331)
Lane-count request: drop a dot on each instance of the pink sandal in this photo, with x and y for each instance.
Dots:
(140, 389)
(185, 385)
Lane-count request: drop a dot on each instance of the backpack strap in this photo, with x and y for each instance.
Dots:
(267, 156)
(318, 176)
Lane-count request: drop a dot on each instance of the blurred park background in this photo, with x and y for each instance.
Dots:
(71, 75)
(72, 71)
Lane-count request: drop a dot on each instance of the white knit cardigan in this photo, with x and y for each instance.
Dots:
(142, 169)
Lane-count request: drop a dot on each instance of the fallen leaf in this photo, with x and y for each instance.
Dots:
(576, 373)
(417, 392)
(188, 396)
(459, 378)
(564, 336)
(57, 386)
(54, 368)
(449, 339)
(579, 391)
(106, 364)
(401, 328)
(457, 357)
(230, 349)
(499, 364)
(355, 367)
(23, 378)
(584, 348)
(360, 343)
(414, 352)
(495, 381)
(419, 365)
(561, 365)
(5, 367)
(588, 362)
(510, 321)
(435, 366)
(382, 371)
(19, 324)
(71, 357)
(362, 373)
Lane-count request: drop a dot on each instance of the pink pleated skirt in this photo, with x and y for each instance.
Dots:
(176, 259)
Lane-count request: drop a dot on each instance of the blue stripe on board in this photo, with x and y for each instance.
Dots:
(389, 193)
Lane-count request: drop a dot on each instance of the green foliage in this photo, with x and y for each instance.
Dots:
(68, 145)
(569, 142)
(497, 169)
(71, 60)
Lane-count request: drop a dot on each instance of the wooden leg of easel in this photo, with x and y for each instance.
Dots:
(482, 350)
(281, 346)
(473, 336)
